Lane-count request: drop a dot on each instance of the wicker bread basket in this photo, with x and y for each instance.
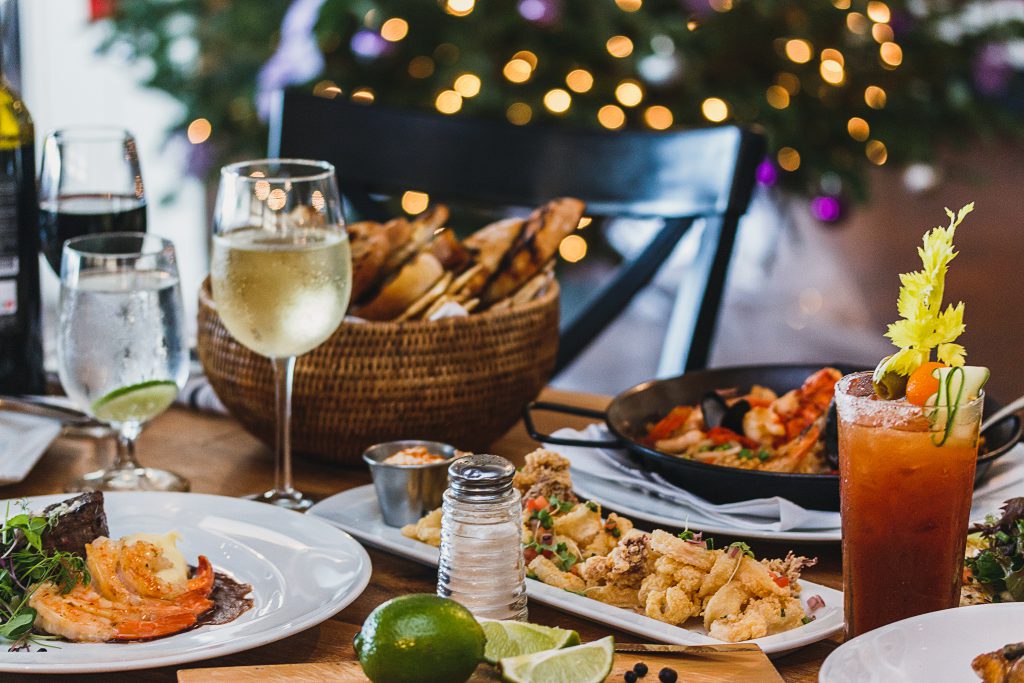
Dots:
(463, 381)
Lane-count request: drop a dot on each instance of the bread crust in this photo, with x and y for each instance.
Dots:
(411, 282)
(536, 244)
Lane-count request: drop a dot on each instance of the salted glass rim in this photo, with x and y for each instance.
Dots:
(235, 170)
(146, 237)
(90, 133)
(874, 405)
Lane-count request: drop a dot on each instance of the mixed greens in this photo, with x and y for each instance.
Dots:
(999, 564)
(25, 564)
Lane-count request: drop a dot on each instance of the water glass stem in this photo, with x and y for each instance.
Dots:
(284, 371)
(125, 459)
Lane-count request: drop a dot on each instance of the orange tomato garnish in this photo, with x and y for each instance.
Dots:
(921, 384)
(669, 424)
(781, 581)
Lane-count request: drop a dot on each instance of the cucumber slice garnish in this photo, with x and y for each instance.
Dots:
(957, 386)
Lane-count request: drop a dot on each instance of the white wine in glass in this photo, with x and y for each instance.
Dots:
(281, 275)
(281, 297)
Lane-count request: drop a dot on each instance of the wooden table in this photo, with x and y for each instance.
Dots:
(219, 457)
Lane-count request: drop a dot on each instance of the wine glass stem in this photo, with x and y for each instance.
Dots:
(125, 459)
(283, 372)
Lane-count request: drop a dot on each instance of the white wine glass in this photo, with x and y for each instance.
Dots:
(281, 274)
(121, 345)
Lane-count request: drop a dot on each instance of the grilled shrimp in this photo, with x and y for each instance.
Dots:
(129, 572)
(86, 614)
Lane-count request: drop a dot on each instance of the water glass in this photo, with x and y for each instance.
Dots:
(121, 345)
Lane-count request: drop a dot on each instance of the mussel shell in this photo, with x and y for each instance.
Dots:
(718, 413)
(734, 416)
(713, 408)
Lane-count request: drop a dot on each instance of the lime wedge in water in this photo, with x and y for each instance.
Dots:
(136, 403)
(588, 663)
(514, 638)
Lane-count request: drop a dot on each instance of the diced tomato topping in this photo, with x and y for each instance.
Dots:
(529, 554)
(548, 554)
(536, 504)
(670, 423)
(781, 581)
(720, 435)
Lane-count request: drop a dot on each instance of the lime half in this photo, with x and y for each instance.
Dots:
(137, 402)
(588, 663)
(514, 638)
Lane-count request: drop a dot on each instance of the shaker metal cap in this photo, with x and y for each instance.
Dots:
(481, 476)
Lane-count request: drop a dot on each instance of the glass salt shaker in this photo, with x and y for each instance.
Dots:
(481, 539)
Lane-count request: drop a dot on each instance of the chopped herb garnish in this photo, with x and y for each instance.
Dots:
(763, 455)
(686, 535)
(744, 548)
(592, 506)
(806, 620)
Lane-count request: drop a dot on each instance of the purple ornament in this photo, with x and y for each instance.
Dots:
(827, 209)
(767, 174)
(698, 8)
(368, 44)
(992, 70)
(543, 12)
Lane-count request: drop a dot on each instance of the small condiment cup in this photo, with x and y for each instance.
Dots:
(407, 492)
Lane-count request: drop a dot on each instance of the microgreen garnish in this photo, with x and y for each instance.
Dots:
(24, 565)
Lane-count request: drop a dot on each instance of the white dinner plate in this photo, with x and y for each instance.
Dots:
(302, 570)
(356, 511)
(932, 647)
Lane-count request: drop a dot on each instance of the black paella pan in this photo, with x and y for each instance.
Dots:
(631, 413)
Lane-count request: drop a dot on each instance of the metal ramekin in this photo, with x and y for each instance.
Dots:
(407, 492)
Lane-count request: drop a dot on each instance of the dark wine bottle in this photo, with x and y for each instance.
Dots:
(21, 346)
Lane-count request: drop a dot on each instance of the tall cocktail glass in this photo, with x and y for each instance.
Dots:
(906, 497)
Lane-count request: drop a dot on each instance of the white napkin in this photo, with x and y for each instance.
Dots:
(761, 514)
(199, 395)
(1005, 480)
(23, 440)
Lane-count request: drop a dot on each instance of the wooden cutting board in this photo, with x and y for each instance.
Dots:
(705, 664)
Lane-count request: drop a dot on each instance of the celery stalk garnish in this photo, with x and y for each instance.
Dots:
(923, 325)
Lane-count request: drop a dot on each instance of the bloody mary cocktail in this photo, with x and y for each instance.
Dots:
(905, 503)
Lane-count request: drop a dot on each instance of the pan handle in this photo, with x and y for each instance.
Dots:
(531, 429)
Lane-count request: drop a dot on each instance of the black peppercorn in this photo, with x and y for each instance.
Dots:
(630, 676)
(641, 669)
(667, 675)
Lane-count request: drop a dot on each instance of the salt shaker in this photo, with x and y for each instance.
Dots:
(481, 539)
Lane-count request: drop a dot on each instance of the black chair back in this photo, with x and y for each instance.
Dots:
(678, 176)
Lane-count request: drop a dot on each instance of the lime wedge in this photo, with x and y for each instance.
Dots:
(137, 402)
(514, 638)
(588, 663)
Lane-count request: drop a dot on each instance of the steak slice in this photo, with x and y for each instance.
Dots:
(80, 520)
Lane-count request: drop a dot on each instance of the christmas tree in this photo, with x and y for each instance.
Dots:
(836, 86)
